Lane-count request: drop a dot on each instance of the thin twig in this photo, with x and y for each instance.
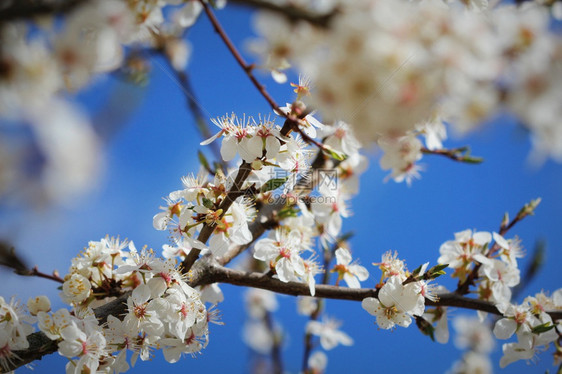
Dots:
(238, 57)
(36, 273)
(328, 256)
(457, 154)
(276, 359)
(183, 81)
(463, 286)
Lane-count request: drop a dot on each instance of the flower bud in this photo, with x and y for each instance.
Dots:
(38, 304)
(257, 165)
(76, 288)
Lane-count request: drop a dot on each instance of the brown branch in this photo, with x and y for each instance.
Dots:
(457, 154)
(211, 273)
(267, 215)
(36, 273)
(238, 57)
(528, 209)
(291, 12)
(27, 9)
(40, 345)
(207, 230)
(9, 258)
(207, 273)
(308, 346)
(186, 87)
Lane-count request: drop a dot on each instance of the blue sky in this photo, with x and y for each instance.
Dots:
(158, 144)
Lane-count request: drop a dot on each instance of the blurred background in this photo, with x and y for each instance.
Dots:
(150, 142)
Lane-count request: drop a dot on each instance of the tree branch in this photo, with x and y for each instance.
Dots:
(291, 12)
(528, 209)
(195, 108)
(207, 230)
(266, 217)
(211, 273)
(461, 154)
(27, 9)
(207, 272)
(40, 345)
(238, 57)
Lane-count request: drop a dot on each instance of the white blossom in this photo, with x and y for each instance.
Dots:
(395, 304)
(350, 272)
(328, 332)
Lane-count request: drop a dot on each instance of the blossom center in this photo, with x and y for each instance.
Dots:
(390, 312)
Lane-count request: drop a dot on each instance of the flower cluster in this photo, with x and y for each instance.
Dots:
(532, 325)
(199, 204)
(163, 311)
(43, 61)
(476, 337)
(497, 264)
(259, 333)
(396, 70)
(15, 325)
(401, 296)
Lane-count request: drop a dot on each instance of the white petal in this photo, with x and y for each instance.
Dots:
(228, 148)
(352, 281)
(370, 304)
(343, 256)
(505, 328)
(272, 147)
(360, 272)
(212, 138)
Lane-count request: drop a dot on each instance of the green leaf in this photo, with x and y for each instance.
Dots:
(273, 184)
(425, 327)
(203, 161)
(473, 159)
(345, 237)
(288, 211)
(339, 156)
(542, 328)
(416, 271)
(437, 271)
(438, 268)
(208, 203)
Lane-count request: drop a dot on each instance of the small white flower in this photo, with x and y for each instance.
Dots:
(328, 332)
(473, 334)
(143, 313)
(76, 289)
(284, 253)
(394, 305)
(317, 362)
(391, 266)
(351, 273)
(259, 302)
(306, 305)
(38, 304)
(88, 347)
